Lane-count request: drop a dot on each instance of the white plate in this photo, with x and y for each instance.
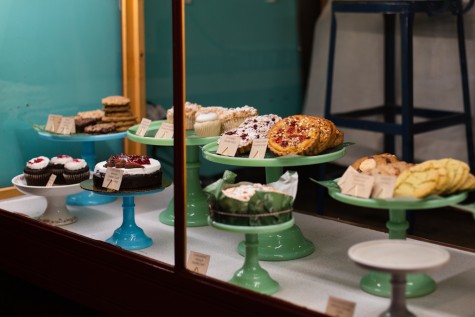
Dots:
(398, 255)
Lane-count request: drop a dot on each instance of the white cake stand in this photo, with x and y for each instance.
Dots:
(56, 213)
(398, 257)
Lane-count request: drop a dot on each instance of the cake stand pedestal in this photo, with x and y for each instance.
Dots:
(197, 205)
(251, 275)
(379, 283)
(288, 244)
(128, 236)
(56, 212)
(397, 258)
(84, 198)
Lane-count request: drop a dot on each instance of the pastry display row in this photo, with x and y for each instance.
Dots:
(260, 210)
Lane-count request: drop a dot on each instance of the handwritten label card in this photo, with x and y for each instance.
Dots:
(113, 178)
(338, 307)
(228, 145)
(51, 180)
(355, 184)
(383, 186)
(66, 126)
(165, 131)
(143, 127)
(258, 149)
(198, 262)
(53, 122)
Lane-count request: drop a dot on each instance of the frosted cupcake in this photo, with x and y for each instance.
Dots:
(76, 171)
(207, 124)
(37, 171)
(189, 111)
(57, 166)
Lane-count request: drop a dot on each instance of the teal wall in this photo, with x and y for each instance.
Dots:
(63, 56)
(238, 52)
(56, 56)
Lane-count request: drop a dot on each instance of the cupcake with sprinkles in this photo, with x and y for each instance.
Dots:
(76, 171)
(57, 165)
(37, 171)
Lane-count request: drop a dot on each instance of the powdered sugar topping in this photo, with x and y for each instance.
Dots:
(38, 163)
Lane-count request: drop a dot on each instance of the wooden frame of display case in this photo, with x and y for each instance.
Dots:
(106, 278)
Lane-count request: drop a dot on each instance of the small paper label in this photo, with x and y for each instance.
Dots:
(383, 186)
(258, 149)
(338, 307)
(66, 126)
(228, 145)
(198, 262)
(113, 178)
(53, 122)
(51, 180)
(355, 184)
(165, 131)
(143, 127)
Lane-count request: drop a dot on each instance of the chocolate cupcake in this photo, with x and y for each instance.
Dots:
(57, 166)
(76, 171)
(37, 171)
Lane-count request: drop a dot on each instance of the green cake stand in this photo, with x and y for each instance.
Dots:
(251, 275)
(379, 283)
(288, 244)
(197, 206)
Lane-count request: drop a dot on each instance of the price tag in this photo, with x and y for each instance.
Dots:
(53, 122)
(355, 184)
(258, 149)
(165, 131)
(51, 180)
(383, 186)
(338, 307)
(143, 127)
(198, 262)
(228, 145)
(113, 178)
(66, 126)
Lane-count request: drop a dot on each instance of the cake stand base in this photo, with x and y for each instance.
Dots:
(379, 284)
(130, 238)
(197, 212)
(289, 244)
(56, 213)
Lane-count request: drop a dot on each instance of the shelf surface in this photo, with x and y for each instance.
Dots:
(305, 282)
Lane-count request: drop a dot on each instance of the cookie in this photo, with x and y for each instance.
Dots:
(115, 101)
(92, 114)
(457, 171)
(115, 109)
(100, 128)
(417, 181)
(366, 163)
(118, 118)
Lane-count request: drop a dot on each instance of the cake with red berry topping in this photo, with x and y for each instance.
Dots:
(139, 171)
(252, 128)
(37, 171)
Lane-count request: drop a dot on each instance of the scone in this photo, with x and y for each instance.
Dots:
(189, 111)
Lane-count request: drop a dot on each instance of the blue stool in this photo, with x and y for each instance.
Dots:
(407, 128)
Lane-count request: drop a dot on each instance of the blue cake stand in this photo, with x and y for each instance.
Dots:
(128, 236)
(88, 153)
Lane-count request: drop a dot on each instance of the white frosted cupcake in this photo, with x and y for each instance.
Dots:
(207, 124)
(76, 171)
(57, 164)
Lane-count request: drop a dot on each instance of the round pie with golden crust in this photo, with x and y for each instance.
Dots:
(303, 135)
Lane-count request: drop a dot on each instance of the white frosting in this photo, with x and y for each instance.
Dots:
(204, 117)
(148, 168)
(38, 163)
(75, 164)
(61, 159)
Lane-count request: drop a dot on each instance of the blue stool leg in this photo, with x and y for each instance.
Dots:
(407, 87)
(465, 90)
(331, 58)
(389, 79)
